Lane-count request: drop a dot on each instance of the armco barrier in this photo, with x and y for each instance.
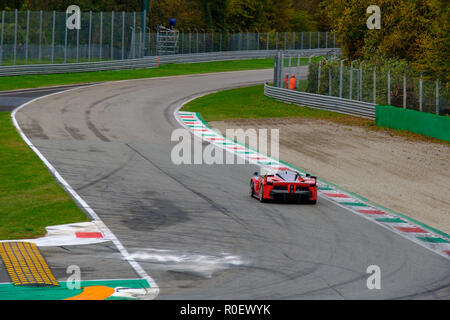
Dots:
(149, 62)
(427, 124)
(318, 101)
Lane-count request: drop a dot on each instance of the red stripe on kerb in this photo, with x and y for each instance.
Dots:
(369, 211)
(236, 148)
(88, 234)
(203, 130)
(215, 138)
(411, 229)
(336, 195)
(186, 117)
(258, 158)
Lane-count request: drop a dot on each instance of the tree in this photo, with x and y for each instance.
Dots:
(413, 30)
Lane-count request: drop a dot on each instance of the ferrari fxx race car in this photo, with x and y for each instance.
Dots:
(285, 184)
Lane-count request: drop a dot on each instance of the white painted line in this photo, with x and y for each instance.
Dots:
(154, 289)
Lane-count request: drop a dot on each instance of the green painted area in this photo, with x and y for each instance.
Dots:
(391, 220)
(324, 188)
(428, 124)
(355, 204)
(9, 291)
(433, 240)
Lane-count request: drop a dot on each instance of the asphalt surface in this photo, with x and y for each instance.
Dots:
(194, 228)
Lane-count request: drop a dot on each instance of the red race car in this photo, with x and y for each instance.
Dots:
(280, 183)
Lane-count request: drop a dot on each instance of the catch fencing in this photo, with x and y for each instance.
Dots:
(41, 37)
(360, 82)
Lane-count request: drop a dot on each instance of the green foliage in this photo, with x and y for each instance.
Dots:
(416, 31)
(251, 15)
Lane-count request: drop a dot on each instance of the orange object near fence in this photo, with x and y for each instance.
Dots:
(293, 82)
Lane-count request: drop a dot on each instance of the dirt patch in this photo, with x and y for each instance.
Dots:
(409, 176)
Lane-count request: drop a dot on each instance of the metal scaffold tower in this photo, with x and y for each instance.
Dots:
(167, 40)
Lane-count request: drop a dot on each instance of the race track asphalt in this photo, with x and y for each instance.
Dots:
(193, 228)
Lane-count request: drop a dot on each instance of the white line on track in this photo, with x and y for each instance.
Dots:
(154, 289)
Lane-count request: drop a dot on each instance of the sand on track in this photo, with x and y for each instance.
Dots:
(408, 176)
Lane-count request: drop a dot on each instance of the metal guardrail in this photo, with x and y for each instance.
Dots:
(147, 62)
(318, 101)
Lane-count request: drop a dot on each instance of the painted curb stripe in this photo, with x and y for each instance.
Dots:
(371, 211)
(355, 204)
(411, 229)
(390, 220)
(433, 239)
(88, 235)
(336, 195)
(437, 242)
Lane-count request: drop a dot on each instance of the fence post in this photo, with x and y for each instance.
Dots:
(360, 81)
(276, 40)
(40, 37)
(78, 44)
(350, 96)
(389, 86)
(65, 40)
(90, 36)
(341, 70)
(53, 38)
(196, 39)
(404, 89)
(329, 81)
(310, 40)
(334, 40)
(267, 40)
(326, 39)
(1, 37)
(437, 96)
(293, 40)
(15, 37)
(123, 35)
(421, 92)
(318, 76)
(301, 40)
(26, 36)
(144, 30)
(190, 40)
(112, 35)
(374, 84)
(318, 39)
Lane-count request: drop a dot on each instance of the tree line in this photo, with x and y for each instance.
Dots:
(245, 15)
(412, 31)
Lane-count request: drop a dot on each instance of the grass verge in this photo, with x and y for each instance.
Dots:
(251, 103)
(34, 81)
(30, 198)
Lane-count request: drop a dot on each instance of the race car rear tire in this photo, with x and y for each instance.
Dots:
(261, 194)
(252, 188)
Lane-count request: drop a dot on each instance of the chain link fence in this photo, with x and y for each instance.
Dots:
(398, 86)
(30, 37)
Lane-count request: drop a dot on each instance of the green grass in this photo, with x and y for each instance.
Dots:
(34, 81)
(250, 103)
(30, 198)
